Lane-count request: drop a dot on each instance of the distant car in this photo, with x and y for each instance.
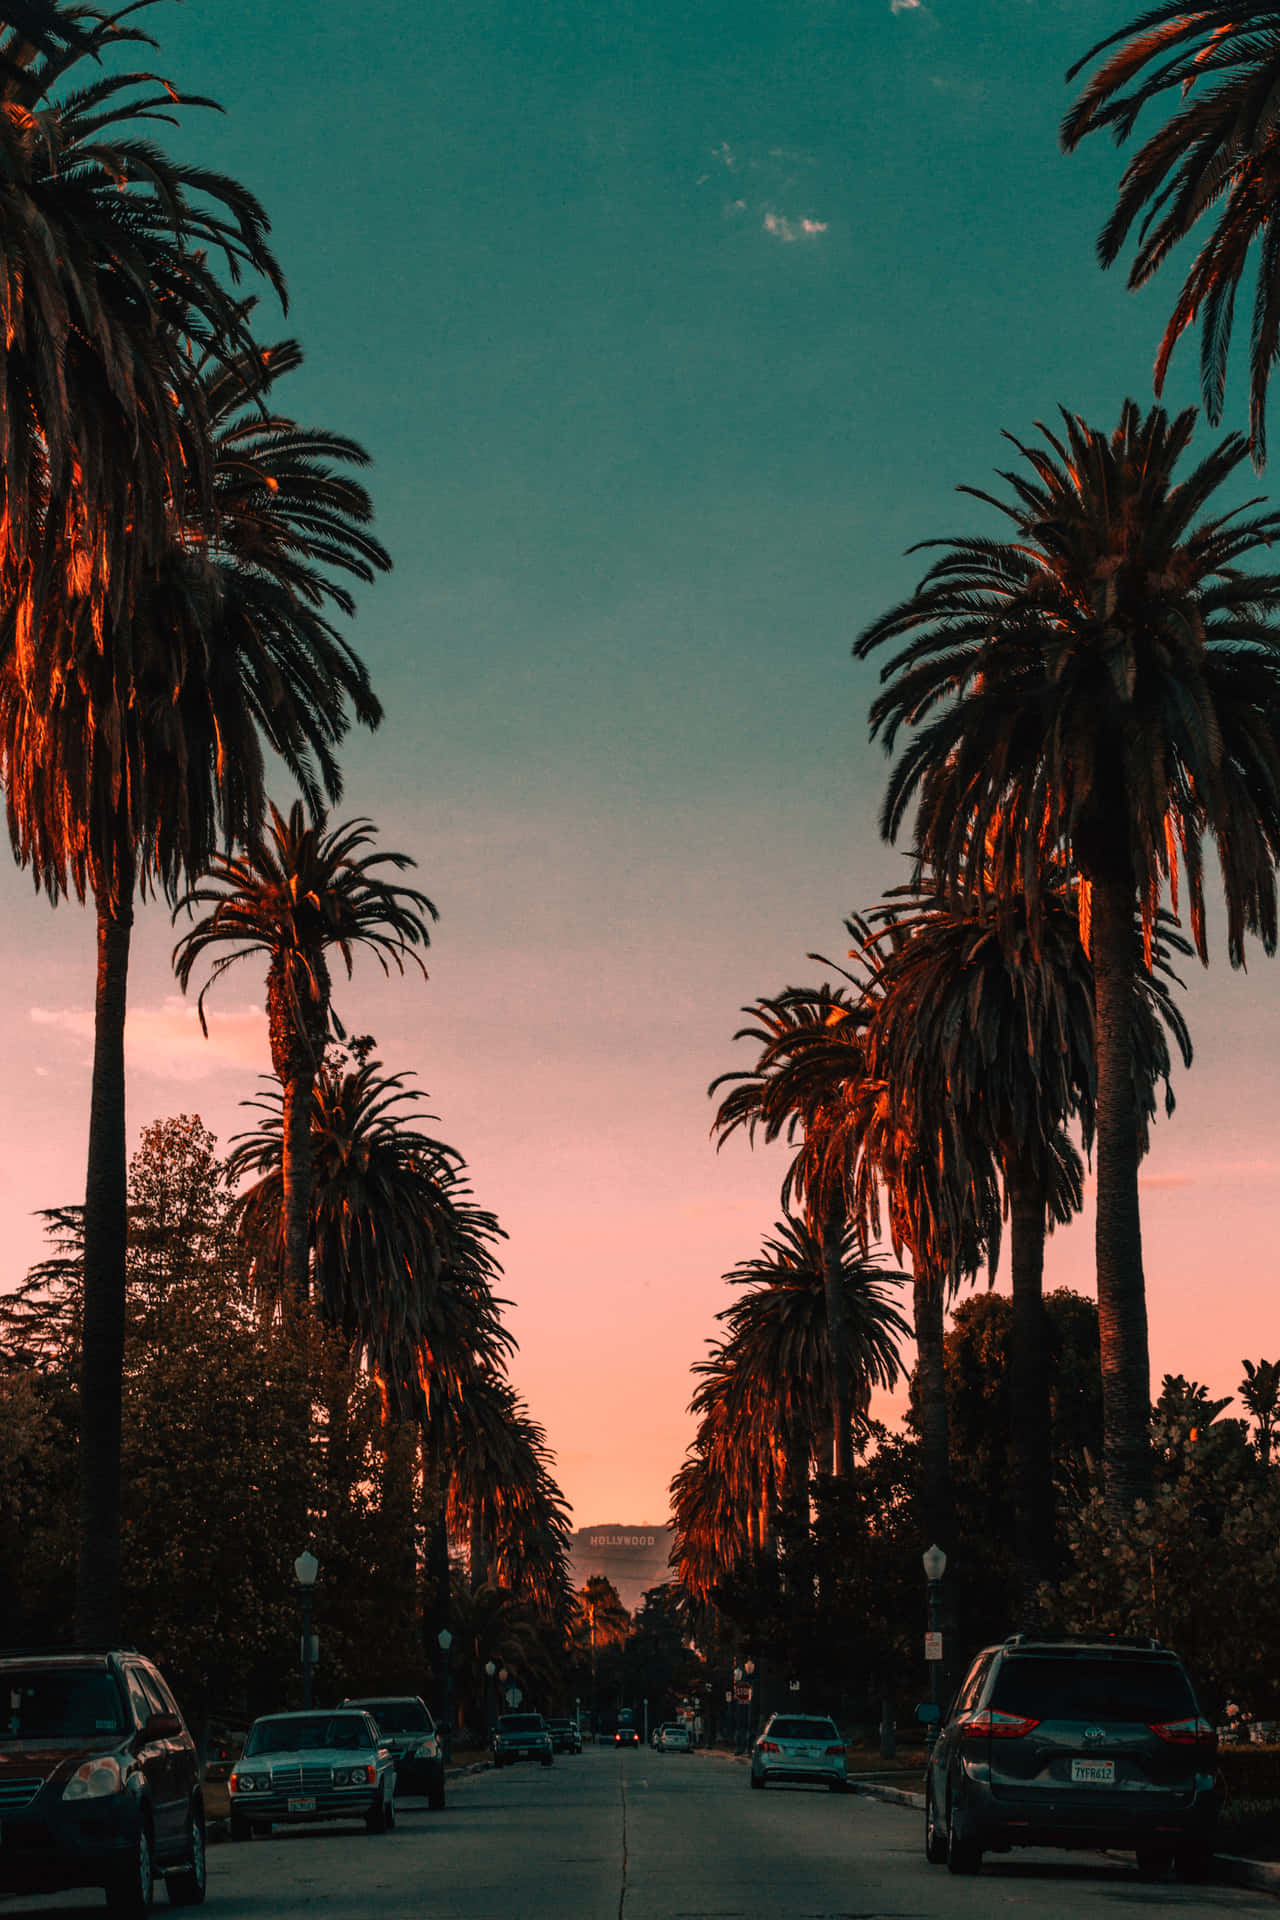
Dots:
(674, 1738)
(330, 1765)
(521, 1736)
(565, 1736)
(626, 1737)
(1074, 1741)
(804, 1747)
(406, 1726)
(99, 1781)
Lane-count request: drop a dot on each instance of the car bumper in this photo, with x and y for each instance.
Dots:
(338, 1803)
(818, 1772)
(1122, 1822)
(505, 1754)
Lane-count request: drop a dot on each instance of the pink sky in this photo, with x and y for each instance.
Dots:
(574, 1017)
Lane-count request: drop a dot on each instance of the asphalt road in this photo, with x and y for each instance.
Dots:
(644, 1836)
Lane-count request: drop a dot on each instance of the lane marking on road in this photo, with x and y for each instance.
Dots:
(622, 1891)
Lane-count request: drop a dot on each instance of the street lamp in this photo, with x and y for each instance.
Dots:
(490, 1669)
(935, 1565)
(305, 1569)
(444, 1640)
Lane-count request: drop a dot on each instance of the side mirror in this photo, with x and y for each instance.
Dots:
(161, 1726)
(929, 1714)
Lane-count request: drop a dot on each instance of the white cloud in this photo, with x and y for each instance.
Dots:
(788, 230)
(166, 1040)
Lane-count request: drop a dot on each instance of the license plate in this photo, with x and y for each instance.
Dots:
(1098, 1773)
(305, 1805)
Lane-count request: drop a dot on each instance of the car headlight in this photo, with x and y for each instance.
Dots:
(247, 1782)
(427, 1751)
(95, 1779)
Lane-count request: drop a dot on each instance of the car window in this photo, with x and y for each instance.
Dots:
(153, 1693)
(520, 1723)
(971, 1685)
(1075, 1687)
(141, 1706)
(793, 1728)
(73, 1705)
(400, 1716)
(155, 1684)
(346, 1730)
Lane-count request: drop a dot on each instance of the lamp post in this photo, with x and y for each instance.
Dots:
(305, 1569)
(444, 1640)
(935, 1565)
(490, 1669)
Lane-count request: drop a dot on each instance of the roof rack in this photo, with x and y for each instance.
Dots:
(1047, 1636)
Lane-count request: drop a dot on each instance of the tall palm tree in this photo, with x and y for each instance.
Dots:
(130, 745)
(1216, 67)
(746, 1106)
(299, 892)
(988, 1022)
(1104, 689)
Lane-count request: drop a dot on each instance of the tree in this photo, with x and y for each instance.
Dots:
(1260, 1391)
(1100, 689)
(1217, 66)
(298, 893)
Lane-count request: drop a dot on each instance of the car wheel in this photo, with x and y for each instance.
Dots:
(546, 1759)
(389, 1815)
(375, 1821)
(963, 1856)
(935, 1840)
(186, 1887)
(1192, 1863)
(435, 1797)
(1154, 1862)
(129, 1891)
(240, 1827)
(757, 1779)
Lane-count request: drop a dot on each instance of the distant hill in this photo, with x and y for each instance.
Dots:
(634, 1558)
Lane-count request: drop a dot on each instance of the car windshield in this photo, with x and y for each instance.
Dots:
(345, 1730)
(1089, 1687)
(68, 1705)
(557, 1724)
(520, 1723)
(400, 1716)
(798, 1729)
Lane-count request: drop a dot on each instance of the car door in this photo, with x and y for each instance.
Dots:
(163, 1759)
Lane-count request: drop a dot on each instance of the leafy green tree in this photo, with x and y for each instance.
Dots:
(1260, 1392)
(1101, 688)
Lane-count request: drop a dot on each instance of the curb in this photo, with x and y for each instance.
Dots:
(1229, 1869)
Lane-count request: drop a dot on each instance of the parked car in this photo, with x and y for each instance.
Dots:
(520, 1736)
(675, 1737)
(223, 1747)
(626, 1735)
(565, 1736)
(406, 1726)
(99, 1781)
(329, 1765)
(1082, 1741)
(800, 1746)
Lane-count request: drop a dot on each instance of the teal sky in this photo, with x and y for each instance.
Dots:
(668, 330)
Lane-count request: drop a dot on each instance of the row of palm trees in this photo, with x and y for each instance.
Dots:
(1075, 708)
(178, 559)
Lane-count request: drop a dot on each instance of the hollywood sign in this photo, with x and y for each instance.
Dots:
(598, 1540)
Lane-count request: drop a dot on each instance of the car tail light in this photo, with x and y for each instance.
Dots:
(991, 1725)
(767, 1746)
(835, 1749)
(1194, 1732)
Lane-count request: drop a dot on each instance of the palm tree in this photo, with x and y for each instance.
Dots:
(779, 1339)
(988, 1021)
(1216, 65)
(128, 747)
(298, 892)
(1260, 1392)
(1104, 689)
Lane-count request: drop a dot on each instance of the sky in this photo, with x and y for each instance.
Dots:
(668, 331)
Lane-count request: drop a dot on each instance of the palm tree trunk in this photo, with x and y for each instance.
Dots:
(295, 1174)
(1122, 1300)
(97, 1603)
(479, 1547)
(1032, 1471)
(838, 1340)
(931, 1412)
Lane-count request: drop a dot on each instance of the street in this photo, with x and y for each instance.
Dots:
(644, 1836)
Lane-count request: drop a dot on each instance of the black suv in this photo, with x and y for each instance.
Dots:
(1074, 1741)
(99, 1780)
(407, 1729)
